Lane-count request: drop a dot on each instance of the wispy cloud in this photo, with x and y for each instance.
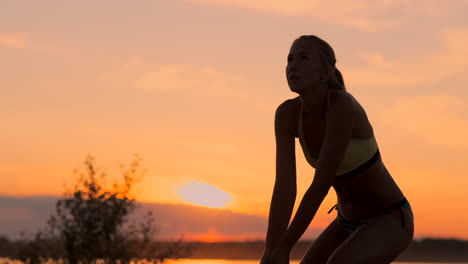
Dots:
(213, 235)
(13, 40)
(436, 67)
(31, 213)
(433, 8)
(438, 119)
(362, 15)
(205, 80)
(376, 59)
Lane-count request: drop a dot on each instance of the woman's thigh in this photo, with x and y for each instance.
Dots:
(380, 240)
(325, 243)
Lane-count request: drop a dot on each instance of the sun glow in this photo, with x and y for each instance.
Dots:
(204, 194)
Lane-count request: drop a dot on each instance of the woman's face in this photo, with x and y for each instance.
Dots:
(304, 71)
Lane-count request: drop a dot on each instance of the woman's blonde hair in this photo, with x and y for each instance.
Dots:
(328, 60)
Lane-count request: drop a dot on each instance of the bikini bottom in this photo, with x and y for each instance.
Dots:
(351, 226)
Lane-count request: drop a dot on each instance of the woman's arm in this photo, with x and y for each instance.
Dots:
(282, 203)
(284, 192)
(304, 215)
(337, 135)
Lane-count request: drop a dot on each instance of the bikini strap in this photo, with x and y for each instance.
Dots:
(334, 207)
(402, 217)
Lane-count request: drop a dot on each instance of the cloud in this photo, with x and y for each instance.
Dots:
(199, 81)
(206, 80)
(208, 224)
(369, 16)
(438, 119)
(213, 235)
(436, 67)
(15, 41)
(433, 8)
(376, 59)
(115, 74)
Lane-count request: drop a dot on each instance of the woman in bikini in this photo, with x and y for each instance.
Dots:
(374, 222)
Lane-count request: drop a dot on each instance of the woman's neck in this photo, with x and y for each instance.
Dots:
(314, 104)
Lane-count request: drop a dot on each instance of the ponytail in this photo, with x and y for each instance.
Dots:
(336, 81)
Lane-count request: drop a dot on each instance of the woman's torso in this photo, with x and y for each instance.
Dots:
(360, 196)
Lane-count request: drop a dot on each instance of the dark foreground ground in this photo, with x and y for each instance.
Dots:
(426, 250)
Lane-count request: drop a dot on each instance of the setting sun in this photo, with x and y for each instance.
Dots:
(204, 194)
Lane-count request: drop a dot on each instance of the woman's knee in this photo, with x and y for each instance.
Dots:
(325, 244)
(380, 240)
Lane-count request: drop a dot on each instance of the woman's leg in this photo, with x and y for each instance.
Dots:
(326, 243)
(378, 241)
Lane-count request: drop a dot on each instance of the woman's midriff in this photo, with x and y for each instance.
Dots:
(364, 195)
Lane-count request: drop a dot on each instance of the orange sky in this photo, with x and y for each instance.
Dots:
(192, 87)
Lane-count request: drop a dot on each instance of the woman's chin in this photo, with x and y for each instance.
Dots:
(295, 88)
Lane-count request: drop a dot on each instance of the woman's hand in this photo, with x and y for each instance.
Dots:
(279, 256)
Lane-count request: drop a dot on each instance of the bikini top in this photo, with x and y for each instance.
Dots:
(359, 154)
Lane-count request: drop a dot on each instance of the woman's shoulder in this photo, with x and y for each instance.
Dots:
(289, 106)
(287, 114)
(340, 97)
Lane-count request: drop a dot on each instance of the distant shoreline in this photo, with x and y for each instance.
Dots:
(425, 250)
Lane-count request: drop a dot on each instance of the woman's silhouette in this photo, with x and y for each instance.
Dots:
(374, 223)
